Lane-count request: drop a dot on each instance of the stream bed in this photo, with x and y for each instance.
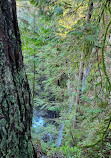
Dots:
(44, 126)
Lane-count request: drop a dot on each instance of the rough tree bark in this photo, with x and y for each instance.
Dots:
(15, 98)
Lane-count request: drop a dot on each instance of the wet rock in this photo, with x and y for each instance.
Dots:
(57, 155)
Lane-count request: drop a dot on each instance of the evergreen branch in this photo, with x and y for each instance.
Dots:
(104, 136)
(91, 145)
(100, 140)
(102, 12)
(103, 60)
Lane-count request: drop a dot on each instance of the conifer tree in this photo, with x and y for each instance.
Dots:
(15, 98)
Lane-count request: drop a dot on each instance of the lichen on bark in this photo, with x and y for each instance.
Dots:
(15, 96)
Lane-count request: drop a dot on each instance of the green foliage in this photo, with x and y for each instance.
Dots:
(71, 152)
(57, 60)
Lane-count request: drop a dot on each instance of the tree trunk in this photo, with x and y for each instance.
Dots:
(15, 98)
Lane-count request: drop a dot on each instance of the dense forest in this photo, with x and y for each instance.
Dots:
(66, 48)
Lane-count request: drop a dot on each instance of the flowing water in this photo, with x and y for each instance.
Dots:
(62, 127)
(39, 121)
(60, 136)
(86, 75)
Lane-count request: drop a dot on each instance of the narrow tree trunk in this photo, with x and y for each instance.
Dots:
(34, 69)
(15, 99)
(81, 74)
(79, 90)
(81, 71)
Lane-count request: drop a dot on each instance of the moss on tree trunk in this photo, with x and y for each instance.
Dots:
(15, 98)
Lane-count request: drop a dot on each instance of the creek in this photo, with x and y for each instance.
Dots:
(41, 124)
(40, 117)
